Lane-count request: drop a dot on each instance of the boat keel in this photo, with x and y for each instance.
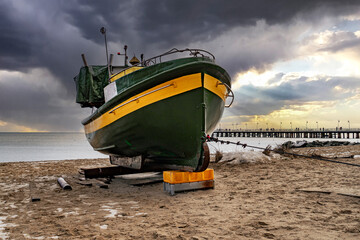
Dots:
(136, 162)
(204, 162)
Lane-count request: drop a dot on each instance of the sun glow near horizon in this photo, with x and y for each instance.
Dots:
(10, 127)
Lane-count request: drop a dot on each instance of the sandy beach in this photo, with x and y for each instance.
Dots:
(267, 198)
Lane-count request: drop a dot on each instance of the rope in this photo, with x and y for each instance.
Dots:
(244, 145)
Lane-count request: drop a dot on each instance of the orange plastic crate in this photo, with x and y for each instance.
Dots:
(175, 177)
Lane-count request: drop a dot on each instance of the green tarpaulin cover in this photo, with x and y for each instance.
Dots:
(90, 83)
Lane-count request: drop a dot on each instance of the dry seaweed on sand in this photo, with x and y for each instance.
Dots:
(267, 150)
(244, 157)
(283, 150)
(218, 156)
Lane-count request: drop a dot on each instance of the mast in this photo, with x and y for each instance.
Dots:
(103, 31)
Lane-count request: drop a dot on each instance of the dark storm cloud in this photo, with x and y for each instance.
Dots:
(18, 40)
(252, 100)
(145, 24)
(173, 22)
(341, 41)
(89, 16)
(52, 35)
(37, 106)
(201, 20)
(276, 78)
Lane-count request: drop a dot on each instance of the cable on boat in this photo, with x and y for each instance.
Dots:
(244, 145)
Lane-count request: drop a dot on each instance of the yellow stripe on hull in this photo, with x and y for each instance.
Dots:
(155, 94)
(123, 73)
(215, 86)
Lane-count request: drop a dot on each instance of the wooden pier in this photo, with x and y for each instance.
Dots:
(331, 134)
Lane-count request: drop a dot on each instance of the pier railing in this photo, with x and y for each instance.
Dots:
(289, 133)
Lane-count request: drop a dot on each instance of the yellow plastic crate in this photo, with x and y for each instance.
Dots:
(175, 177)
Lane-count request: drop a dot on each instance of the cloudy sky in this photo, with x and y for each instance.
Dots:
(290, 61)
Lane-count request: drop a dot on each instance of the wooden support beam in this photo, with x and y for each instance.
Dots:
(118, 170)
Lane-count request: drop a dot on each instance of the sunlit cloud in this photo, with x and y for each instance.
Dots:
(352, 17)
(11, 127)
(296, 99)
(2, 124)
(316, 87)
(306, 115)
(254, 78)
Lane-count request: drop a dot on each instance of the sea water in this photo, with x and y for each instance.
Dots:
(16, 147)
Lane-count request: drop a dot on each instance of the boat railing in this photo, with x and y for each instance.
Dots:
(193, 52)
(157, 59)
(229, 94)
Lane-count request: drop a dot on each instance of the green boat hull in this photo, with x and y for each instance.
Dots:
(170, 131)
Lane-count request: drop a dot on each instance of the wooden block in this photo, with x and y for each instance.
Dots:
(33, 195)
(180, 187)
(88, 184)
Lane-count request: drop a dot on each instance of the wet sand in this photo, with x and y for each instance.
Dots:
(270, 198)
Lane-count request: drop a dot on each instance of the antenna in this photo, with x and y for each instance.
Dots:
(126, 57)
(103, 32)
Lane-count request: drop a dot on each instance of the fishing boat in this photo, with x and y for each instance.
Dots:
(155, 112)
